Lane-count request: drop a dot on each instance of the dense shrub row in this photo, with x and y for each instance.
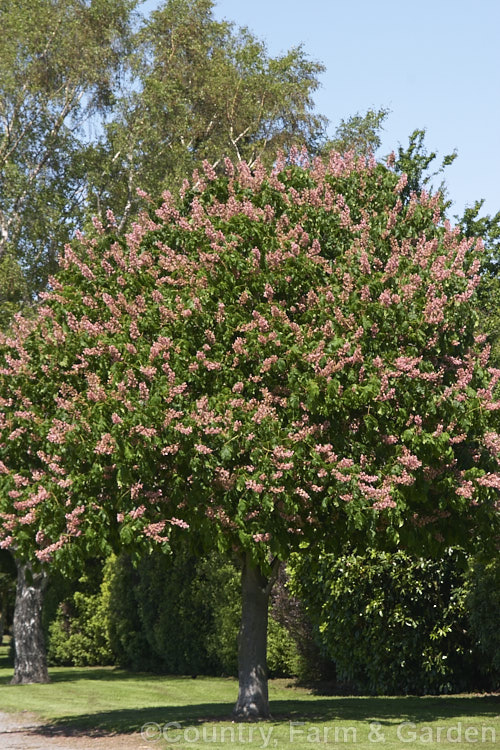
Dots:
(378, 623)
(483, 600)
(176, 614)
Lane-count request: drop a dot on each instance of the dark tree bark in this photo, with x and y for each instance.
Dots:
(253, 697)
(30, 661)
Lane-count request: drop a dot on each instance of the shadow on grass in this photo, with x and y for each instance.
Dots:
(352, 709)
(103, 674)
(304, 707)
(6, 662)
(127, 721)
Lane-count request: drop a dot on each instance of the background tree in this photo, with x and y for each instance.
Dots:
(13, 288)
(203, 89)
(285, 356)
(81, 132)
(359, 133)
(414, 161)
(59, 66)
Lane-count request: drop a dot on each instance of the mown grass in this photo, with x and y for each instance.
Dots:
(195, 714)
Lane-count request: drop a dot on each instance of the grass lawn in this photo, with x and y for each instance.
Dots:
(198, 712)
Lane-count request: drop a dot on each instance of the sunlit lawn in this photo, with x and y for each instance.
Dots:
(196, 713)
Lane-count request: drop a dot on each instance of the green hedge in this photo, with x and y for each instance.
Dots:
(397, 624)
(176, 614)
(390, 623)
(181, 611)
(78, 633)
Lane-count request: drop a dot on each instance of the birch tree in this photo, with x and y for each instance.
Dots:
(59, 66)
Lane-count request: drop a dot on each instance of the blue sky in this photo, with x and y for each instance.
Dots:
(434, 64)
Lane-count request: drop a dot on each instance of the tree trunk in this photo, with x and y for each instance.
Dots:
(253, 698)
(30, 662)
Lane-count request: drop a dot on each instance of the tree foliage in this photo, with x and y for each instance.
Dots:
(359, 133)
(417, 162)
(487, 227)
(203, 89)
(395, 623)
(291, 354)
(59, 63)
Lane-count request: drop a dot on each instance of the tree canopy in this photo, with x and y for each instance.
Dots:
(287, 352)
(59, 65)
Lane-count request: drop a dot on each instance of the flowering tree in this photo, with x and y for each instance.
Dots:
(278, 357)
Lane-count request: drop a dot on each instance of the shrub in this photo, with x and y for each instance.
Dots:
(78, 636)
(221, 642)
(126, 632)
(178, 600)
(283, 658)
(483, 604)
(176, 614)
(393, 623)
(306, 659)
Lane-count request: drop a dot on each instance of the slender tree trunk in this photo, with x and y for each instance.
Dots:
(30, 662)
(253, 698)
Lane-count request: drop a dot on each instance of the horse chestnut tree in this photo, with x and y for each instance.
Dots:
(274, 358)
